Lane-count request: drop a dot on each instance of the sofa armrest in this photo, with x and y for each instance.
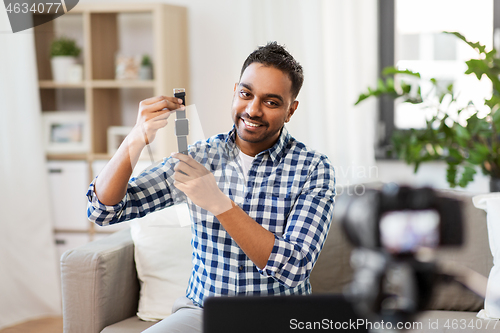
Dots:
(99, 284)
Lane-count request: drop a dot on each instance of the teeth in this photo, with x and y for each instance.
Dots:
(251, 124)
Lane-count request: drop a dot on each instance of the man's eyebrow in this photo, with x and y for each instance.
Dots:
(249, 87)
(246, 85)
(276, 96)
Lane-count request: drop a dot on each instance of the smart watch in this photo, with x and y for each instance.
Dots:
(181, 122)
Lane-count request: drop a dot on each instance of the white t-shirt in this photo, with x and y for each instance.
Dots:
(245, 162)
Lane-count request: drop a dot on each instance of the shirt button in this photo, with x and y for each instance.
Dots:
(240, 268)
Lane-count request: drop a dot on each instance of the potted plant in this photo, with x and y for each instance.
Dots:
(146, 70)
(63, 53)
(464, 144)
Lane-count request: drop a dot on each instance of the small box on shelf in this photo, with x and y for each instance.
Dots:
(65, 132)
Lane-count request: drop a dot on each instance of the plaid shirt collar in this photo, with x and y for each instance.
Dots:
(275, 152)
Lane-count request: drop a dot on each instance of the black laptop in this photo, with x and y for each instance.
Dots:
(274, 314)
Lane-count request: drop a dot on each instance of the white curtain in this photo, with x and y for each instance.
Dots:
(336, 42)
(29, 282)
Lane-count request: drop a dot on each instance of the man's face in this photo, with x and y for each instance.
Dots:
(262, 103)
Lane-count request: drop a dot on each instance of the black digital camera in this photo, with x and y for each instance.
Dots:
(389, 229)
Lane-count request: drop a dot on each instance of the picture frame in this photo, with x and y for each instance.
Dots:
(65, 132)
(116, 135)
(127, 67)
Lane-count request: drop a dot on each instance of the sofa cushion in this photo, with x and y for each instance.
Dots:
(474, 254)
(163, 253)
(332, 271)
(130, 325)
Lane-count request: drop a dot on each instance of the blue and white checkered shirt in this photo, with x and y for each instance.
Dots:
(290, 191)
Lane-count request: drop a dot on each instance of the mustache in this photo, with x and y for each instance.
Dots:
(257, 120)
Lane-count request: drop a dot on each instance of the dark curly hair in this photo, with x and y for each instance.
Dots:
(277, 56)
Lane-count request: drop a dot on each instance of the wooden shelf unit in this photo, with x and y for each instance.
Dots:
(101, 42)
(49, 84)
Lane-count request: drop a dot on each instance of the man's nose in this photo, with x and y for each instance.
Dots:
(253, 108)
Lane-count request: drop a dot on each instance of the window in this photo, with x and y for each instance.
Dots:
(410, 37)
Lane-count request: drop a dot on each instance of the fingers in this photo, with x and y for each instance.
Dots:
(157, 116)
(156, 124)
(181, 177)
(153, 114)
(167, 104)
(186, 160)
(185, 168)
(189, 166)
(156, 99)
(160, 106)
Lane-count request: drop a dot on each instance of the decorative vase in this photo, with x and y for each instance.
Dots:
(146, 73)
(494, 184)
(61, 67)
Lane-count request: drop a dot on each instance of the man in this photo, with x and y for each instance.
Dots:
(261, 202)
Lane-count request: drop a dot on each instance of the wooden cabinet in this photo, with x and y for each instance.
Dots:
(102, 32)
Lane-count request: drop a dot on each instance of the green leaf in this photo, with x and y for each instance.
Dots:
(393, 70)
(381, 86)
(405, 87)
(417, 165)
(390, 84)
(478, 154)
(478, 67)
(451, 175)
(467, 176)
(476, 46)
(481, 148)
(492, 53)
(454, 156)
(478, 126)
(462, 132)
(361, 98)
(475, 158)
(493, 102)
(64, 46)
(496, 119)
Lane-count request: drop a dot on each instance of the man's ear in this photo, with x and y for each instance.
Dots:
(291, 111)
(235, 86)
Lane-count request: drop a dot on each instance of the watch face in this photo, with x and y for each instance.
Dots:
(180, 93)
(181, 127)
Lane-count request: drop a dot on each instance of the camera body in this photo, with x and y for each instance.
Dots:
(389, 228)
(419, 214)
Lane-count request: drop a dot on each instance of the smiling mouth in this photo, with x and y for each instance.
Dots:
(250, 124)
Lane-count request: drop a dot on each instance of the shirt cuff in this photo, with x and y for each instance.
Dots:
(98, 205)
(280, 254)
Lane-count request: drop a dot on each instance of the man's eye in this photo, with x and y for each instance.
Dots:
(272, 103)
(244, 94)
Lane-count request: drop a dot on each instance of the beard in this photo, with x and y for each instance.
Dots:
(265, 133)
(247, 135)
